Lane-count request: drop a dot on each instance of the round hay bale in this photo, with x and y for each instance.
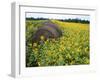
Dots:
(47, 30)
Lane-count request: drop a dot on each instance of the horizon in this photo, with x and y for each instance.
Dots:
(57, 16)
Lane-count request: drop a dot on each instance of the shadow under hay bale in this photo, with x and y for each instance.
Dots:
(48, 30)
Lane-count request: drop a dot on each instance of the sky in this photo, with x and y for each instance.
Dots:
(57, 16)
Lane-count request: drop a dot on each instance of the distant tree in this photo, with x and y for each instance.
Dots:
(64, 20)
(74, 20)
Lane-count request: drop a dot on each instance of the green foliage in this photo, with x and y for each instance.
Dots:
(70, 49)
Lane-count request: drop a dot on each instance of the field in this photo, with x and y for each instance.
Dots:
(70, 49)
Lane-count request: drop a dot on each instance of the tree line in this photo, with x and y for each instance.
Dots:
(63, 20)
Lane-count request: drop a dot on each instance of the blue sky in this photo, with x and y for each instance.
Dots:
(57, 16)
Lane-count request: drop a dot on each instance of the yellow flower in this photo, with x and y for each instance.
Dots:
(42, 37)
(60, 50)
(46, 41)
(53, 40)
(63, 48)
(39, 63)
(86, 49)
(49, 52)
(34, 44)
(36, 49)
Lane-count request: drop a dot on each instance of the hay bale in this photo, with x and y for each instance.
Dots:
(48, 30)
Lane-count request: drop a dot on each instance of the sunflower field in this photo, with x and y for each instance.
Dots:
(70, 49)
